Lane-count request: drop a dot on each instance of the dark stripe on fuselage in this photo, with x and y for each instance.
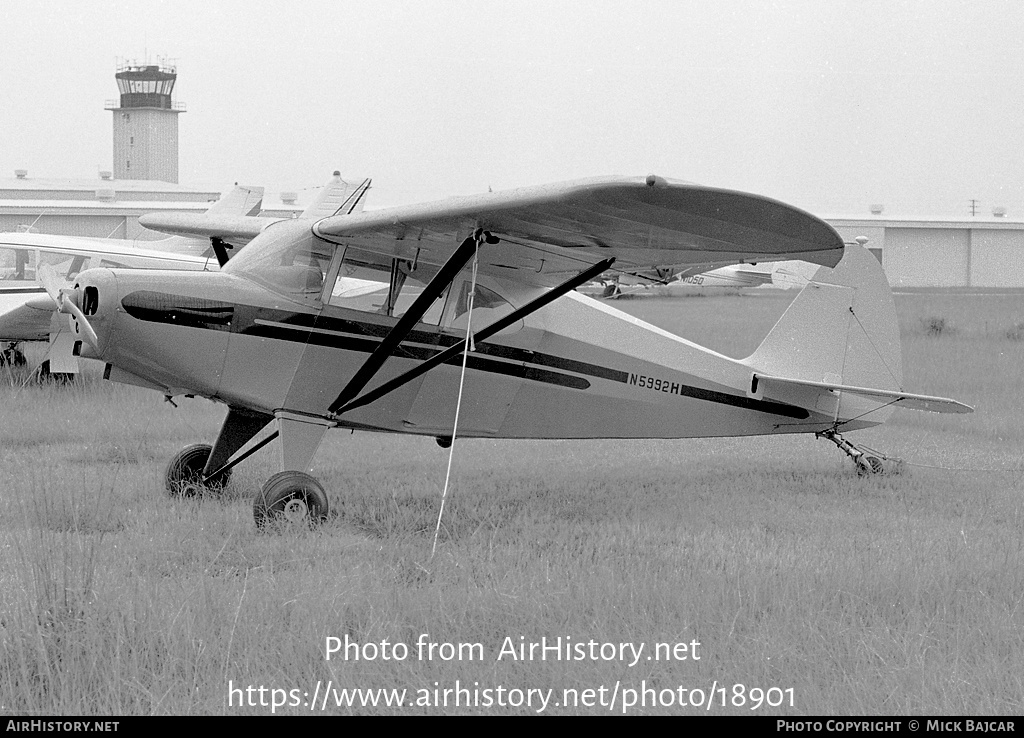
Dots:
(194, 312)
(22, 290)
(367, 345)
(353, 335)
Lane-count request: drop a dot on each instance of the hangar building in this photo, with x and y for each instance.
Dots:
(943, 252)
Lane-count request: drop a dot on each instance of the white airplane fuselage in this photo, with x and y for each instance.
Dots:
(575, 369)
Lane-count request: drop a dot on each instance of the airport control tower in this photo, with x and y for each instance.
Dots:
(146, 122)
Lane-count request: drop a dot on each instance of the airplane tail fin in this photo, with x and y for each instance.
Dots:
(242, 200)
(840, 333)
(338, 197)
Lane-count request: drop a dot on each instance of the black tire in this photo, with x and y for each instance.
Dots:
(290, 498)
(12, 357)
(45, 375)
(868, 464)
(184, 473)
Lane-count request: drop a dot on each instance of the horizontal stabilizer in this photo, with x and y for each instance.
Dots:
(902, 399)
(227, 227)
(753, 277)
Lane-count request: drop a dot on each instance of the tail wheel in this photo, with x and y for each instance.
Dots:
(868, 464)
(184, 475)
(290, 498)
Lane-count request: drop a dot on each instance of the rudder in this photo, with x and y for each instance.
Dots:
(841, 328)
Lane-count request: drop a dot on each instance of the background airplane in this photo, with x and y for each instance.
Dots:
(27, 312)
(733, 277)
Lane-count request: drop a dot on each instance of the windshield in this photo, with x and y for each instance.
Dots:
(287, 257)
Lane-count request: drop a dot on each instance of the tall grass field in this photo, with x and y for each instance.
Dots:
(713, 576)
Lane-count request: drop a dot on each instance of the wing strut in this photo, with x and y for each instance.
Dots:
(419, 307)
(482, 335)
(220, 249)
(235, 462)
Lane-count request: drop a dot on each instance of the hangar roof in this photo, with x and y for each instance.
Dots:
(63, 188)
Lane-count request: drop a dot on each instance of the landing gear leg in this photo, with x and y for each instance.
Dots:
(866, 460)
(201, 467)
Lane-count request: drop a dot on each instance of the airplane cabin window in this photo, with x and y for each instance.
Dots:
(17, 264)
(488, 306)
(66, 265)
(287, 260)
(372, 283)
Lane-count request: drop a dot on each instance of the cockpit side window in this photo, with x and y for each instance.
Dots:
(287, 259)
(68, 265)
(17, 264)
(488, 306)
(373, 283)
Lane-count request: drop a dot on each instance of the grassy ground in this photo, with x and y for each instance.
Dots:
(888, 595)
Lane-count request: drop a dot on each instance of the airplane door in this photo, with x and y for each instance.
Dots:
(486, 399)
(269, 344)
(491, 383)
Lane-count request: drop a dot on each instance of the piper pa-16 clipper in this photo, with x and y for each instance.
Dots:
(363, 321)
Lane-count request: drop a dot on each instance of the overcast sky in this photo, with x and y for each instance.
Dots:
(830, 105)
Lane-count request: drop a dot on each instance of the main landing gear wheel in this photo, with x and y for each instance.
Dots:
(184, 475)
(290, 498)
(11, 356)
(45, 375)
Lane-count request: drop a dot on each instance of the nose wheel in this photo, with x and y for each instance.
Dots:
(290, 498)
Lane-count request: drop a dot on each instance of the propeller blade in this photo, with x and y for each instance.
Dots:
(65, 300)
(50, 280)
(67, 305)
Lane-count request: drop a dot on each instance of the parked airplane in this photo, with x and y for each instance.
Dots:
(781, 274)
(488, 280)
(338, 197)
(27, 312)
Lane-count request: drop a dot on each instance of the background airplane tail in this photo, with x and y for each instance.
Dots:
(242, 200)
(841, 329)
(338, 197)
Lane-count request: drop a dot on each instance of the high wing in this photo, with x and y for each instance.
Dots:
(337, 198)
(25, 315)
(231, 219)
(231, 228)
(553, 230)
